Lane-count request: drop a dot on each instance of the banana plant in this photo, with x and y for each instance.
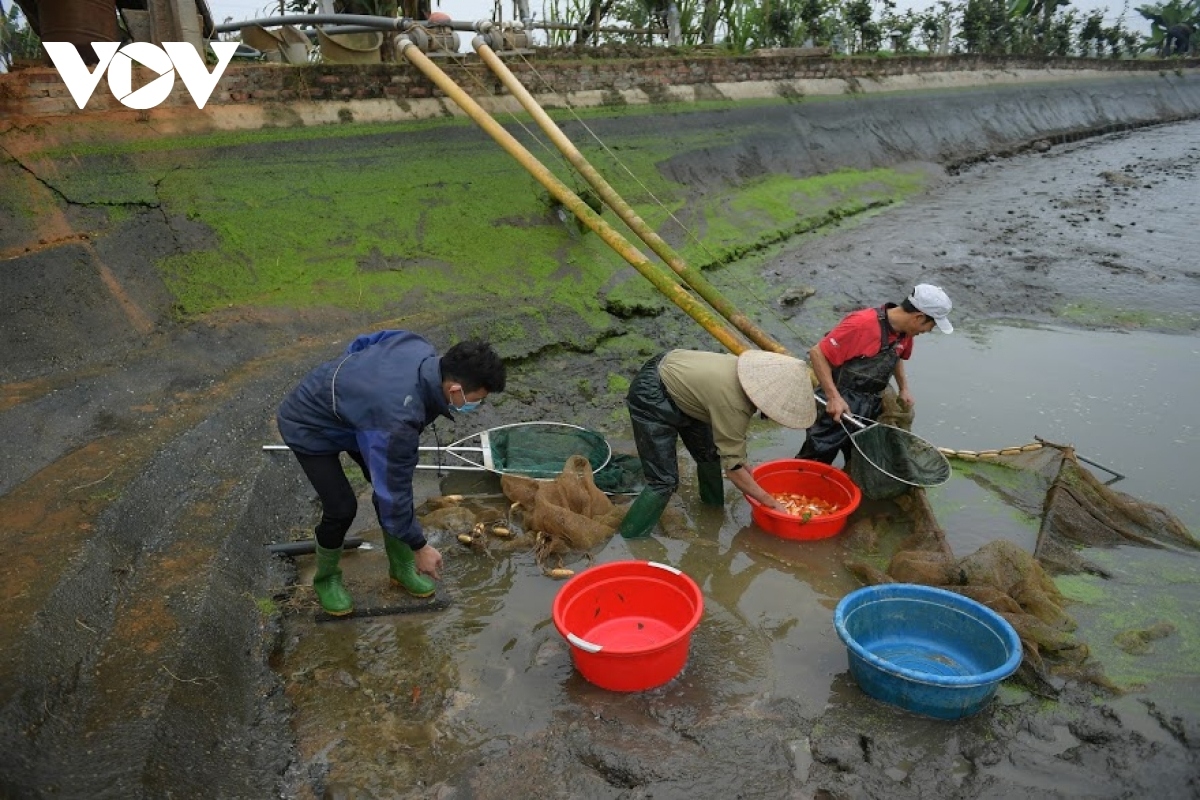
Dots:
(1163, 15)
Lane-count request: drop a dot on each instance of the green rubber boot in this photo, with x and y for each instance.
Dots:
(711, 479)
(403, 570)
(643, 515)
(327, 583)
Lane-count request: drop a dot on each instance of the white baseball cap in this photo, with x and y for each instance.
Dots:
(934, 303)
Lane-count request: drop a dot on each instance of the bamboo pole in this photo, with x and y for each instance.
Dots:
(661, 280)
(691, 276)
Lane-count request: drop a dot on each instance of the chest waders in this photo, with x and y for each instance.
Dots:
(658, 425)
(861, 382)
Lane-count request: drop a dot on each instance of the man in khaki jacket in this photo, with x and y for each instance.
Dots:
(708, 400)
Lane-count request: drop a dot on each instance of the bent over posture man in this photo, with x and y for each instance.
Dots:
(372, 403)
(708, 400)
(854, 362)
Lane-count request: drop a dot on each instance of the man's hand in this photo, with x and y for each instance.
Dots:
(428, 561)
(745, 483)
(906, 400)
(835, 407)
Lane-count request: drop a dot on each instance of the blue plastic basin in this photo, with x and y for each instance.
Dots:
(927, 650)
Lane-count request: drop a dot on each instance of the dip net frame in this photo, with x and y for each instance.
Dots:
(889, 461)
(540, 450)
(530, 449)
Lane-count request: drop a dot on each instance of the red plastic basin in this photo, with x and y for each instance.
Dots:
(811, 478)
(629, 623)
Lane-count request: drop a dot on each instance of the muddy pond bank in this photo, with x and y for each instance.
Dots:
(141, 501)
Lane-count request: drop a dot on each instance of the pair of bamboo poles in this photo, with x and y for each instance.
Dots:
(733, 338)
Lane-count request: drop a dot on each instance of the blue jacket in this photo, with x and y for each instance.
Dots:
(375, 399)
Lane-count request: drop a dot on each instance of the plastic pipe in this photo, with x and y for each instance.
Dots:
(310, 546)
(362, 23)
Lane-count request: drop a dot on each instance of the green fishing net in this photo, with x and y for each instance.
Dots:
(889, 461)
(540, 449)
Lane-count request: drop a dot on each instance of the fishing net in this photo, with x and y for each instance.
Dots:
(566, 515)
(541, 449)
(888, 458)
(889, 461)
(1075, 511)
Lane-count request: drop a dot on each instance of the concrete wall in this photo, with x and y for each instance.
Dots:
(256, 95)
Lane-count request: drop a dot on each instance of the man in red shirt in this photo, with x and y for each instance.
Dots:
(855, 361)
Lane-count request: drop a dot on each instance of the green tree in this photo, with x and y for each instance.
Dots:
(1091, 35)
(17, 38)
(714, 12)
(811, 12)
(1060, 36)
(985, 28)
(900, 28)
(1164, 15)
(857, 14)
(934, 24)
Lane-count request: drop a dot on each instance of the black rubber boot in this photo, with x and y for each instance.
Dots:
(711, 480)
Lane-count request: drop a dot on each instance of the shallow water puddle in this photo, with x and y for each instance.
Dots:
(377, 697)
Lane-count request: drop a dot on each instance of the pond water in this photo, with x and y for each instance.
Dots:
(1122, 400)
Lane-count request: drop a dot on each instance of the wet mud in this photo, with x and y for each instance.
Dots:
(765, 706)
(161, 651)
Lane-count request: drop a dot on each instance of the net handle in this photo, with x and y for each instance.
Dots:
(862, 426)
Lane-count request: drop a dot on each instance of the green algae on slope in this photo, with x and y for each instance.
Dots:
(391, 214)
(1094, 314)
(383, 226)
(1148, 587)
(777, 204)
(380, 219)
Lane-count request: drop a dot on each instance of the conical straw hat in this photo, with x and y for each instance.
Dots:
(779, 386)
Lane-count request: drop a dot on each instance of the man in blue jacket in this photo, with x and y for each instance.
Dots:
(372, 403)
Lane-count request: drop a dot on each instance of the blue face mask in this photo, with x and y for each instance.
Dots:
(467, 406)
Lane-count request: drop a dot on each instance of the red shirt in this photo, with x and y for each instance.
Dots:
(857, 336)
